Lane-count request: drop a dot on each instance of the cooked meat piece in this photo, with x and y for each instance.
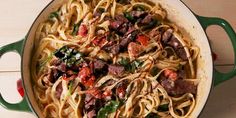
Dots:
(167, 35)
(125, 41)
(169, 39)
(114, 24)
(148, 19)
(115, 49)
(121, 18)
(131, 29)
(56, 62)
(89, 101)
(120, 24)
(112, 48)
(135, 49)
(62, 67)
(91, 114)
(174, 42)
(58, 91)
(181, 53)
(116, 70)
(123, 29)
(99, 64)
(177, 87)
(129, 37)
(53, 75)
(138, 14)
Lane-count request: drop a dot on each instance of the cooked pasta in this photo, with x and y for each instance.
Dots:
(114, 59)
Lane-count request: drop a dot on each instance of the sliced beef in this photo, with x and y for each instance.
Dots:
(120, 24)
(181, 53)
(121, 18)
(138, 14)
(169, 39)
(148, 19)
(178, 87)
(174, 42)
(91, 114)
(59, 91)
(114, 24)
(54, 74)
(99, 64)
(123, 29)
(62, 67)
(129, 37)
(167, 35)
(112, 48)
(116, 70)
(89, 102)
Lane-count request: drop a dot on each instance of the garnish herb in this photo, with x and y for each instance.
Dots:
(69, 56)
(53, 15)
(164, 107)
(70, 87)
(107, 109)
(76, 28)
(128, 16)
(154, 71)
(130, 66)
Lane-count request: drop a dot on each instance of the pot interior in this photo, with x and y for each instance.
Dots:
(177, 13)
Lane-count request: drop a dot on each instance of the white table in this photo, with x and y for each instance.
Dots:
(18, 15)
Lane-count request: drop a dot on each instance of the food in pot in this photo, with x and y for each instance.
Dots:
(113, 58)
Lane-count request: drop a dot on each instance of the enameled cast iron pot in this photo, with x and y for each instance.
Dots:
(178, 12)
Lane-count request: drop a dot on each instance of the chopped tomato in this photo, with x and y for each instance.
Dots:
(143, 40)
(84, 72)
(170, 74)
(134, 49)
(96, 41)
(89, 82)
(86, 77)
(20, 88)
(95, 92)
(107, 93)
(120, 91)
(72, 77)
(100, 41)
(83, 30)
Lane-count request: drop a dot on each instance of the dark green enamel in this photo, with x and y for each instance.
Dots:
(22, 105)
(208, 21)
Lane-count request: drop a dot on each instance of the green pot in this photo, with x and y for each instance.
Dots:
(177, 12)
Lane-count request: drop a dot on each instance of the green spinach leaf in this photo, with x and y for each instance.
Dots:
(109, 108)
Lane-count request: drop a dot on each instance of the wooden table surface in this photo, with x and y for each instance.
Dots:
(18, 15)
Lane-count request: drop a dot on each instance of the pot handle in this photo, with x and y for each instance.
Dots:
(22, 105)
(208, 21)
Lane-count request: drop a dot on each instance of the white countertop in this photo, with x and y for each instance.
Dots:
(18, 15)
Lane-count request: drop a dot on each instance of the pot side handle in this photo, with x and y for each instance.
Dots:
(208, 21)
(22, 105)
